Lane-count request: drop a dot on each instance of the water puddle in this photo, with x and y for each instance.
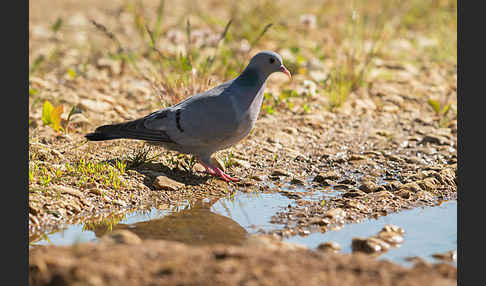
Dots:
(231, 220)
(427, 231)
(227, 220)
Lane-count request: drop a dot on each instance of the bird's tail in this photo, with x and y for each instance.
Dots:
(106, 132)
(128, 130)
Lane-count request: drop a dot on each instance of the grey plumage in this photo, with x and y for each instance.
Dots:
(206, 122)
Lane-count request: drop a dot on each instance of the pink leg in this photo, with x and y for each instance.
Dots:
(215, 171)
(225, 176)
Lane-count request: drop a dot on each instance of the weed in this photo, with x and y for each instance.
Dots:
(31, 175)
(181, 161)
(57, 25)
(45, 177)
(74, 110)
(441, 110)
(141, 156)
(105, 224)
(306, 108)
(105, 173)
(33, 91)
(52, 116)
(109, 175)
(282, 102)
(229, 160)
(71, 73)
(37, 63)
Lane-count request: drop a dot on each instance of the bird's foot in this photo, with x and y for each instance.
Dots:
(217, 172)
(225, 176)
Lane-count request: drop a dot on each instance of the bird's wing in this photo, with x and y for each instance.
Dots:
(201, 120)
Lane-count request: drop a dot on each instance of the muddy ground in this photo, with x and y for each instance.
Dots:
(384, 148)
(158, 262)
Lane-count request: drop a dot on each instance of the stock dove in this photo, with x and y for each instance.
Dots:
(205, 122)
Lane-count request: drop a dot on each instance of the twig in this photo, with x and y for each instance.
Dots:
(109, 34)
(261, 34)
(189, 48)
(218, 44)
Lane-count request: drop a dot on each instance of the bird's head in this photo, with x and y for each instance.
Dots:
(269, 62)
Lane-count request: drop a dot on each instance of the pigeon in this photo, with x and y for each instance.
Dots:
(206, 122)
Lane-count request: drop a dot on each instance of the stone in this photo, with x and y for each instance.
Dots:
(357, 157)
(297, 181)
(121, 236)
(354, 204)
(280, 173)
(404, 194)
(412, 187)
(258, 177)
(369, 187)
(242, 163)
(282, 138)
(96, 191)
(337, 213)
(393, 186)
(96, 106)
(331, 175)
(383, 195)
(432, 139)
(448, 256)
(391, 235)
(319, 221)
(353, 194)
(199, 168)
(369, 245)
(271, 242)
(330, 246)
(393, 228)
(165, 183)
(425, 196)
(428, 184)
(119, 202)
(78, 119)
(68, 190)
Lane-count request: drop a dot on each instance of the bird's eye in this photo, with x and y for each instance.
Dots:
(272, 60)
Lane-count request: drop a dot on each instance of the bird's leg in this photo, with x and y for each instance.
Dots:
(217, 172)
(225, 176)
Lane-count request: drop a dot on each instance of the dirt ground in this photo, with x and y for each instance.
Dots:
(384, 147)
(157, 262)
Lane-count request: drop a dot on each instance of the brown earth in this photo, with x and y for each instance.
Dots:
(157, 262)
(385, 149)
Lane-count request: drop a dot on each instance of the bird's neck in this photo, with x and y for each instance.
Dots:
(250, 82)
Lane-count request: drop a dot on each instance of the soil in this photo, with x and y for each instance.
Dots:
(158, 262)
(385, 150)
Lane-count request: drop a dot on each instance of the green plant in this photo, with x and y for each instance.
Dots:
(107, 174)
(45, 177)
(57, 25)
(441, 110)
(337, 89)
(140, 156)
(74, 110)
(52, 116)
(282, 102)
(31, 175)
(229, 160)
(71, 73)
(37, 63)
(184, 161)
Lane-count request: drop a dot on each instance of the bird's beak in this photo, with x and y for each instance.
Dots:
(285, 71)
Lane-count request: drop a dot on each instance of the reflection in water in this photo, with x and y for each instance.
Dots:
(195, 225)
(427, 230)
